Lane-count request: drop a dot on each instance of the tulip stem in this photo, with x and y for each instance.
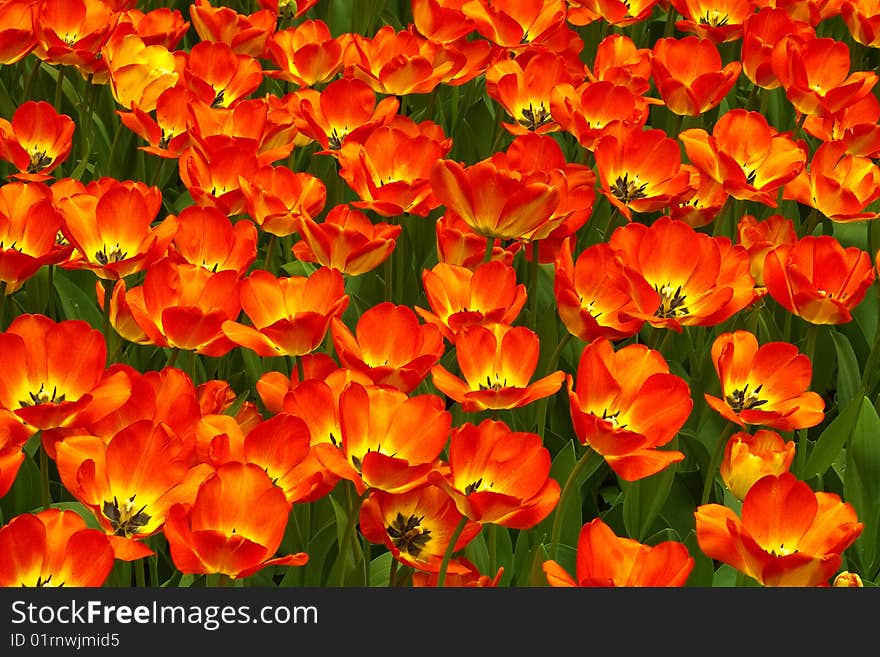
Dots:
(44, 477)
(715, 461)
(450, 548)
(172, 357)
(348, 534)
(809, 351)
(140, 576)
(589, 462)
(810, 222)
(108, 295)
(533, 285)
(490, 246)
(2, 305)
(551, 366)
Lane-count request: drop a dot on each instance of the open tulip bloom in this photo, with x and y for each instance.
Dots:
(463, 293)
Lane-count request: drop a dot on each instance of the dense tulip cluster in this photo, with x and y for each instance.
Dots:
(444, 293)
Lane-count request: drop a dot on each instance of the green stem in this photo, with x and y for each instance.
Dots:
(392, 573)
(270, 249)
(140, 575)
(669, 27)
(32, 76)
(490, 245)
(387, 272)
(347, 540)
(811, 222)
(867, 372)
(172, 357)
(533, 285)
(59, 87)
(3, 287)
(45, 493)
(551, 366)
(715, 461)
(590, 458)
(450, 549)
(218, 580)
(106, 326)
(809, 351)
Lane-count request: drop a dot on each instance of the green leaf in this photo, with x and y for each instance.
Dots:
(75, 301)
(832, 439)
(380, 568)
(25, 490)
(861, 483)
(643, 500)
(849, 376)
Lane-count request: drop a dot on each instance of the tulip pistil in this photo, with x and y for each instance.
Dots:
(407, 535)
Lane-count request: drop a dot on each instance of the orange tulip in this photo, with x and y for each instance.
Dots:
(815, 74)
(761, 237)
(245, 34)
(620, 61)
(855, 125)
(704, 205)
(750, 169)
(494, 201)
(818, 279)
(399, 63)
(719, 21)
(347, 240)
(71, 32)
(56, 371)
(618, 12)
(469, 579)
(595, 294)
(517, 25)
(53, 548)
(166, 134)
(139, 73)
(441, 21)
(390, 169)
(180, 306)
(586, 110)
(389, 346)
(787, 534)
(837, 183)
(165, 397)
(497, 362)
(306, 54)
(290, 315)
(218, 75)
(626, 404)
(607, 560)
(278, 199)
(541, 156)
(29, 226)
(460, 297)
(698, 279)
(212, 169)
(36, 141)
(273, 386)
(130, 482)
(458, 244)
(863, 21)
(417, 527)
(279, 444)
(16, 31)
(523, 87)
(111, 248)
(208, 238)
(234, 526)
(846, 579)
(161, 26)
(13, 436)
(689, 74)
(748, 457)
(763, 33)
(499, 476)
(640, 170)
(288, 8)
(346, 106)
(764, 386)
(390, 441)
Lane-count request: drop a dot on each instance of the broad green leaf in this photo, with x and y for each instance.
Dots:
(76, 291)
(832, 439)
(849, 376)
(862, 483)
(643, 500)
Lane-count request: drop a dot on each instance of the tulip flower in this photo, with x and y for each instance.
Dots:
(234, 525)
(607, 560)
(764, 385)
(53, 548)
(787, 535)
(748, 457)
